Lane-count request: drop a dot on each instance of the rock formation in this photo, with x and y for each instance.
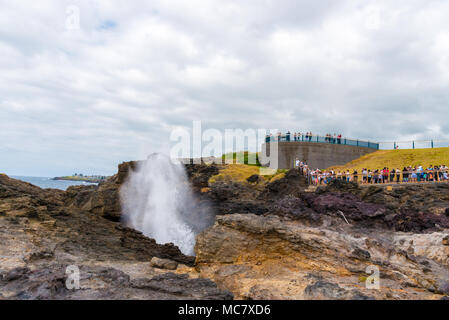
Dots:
(44, 231)
(270, 240)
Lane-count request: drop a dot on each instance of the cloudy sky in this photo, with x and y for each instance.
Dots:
(84, 97)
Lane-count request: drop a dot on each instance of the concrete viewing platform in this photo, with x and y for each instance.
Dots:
(318, 152)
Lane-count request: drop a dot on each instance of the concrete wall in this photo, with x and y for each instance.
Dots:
(317, 155)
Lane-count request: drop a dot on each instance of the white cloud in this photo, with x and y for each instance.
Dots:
(84, 100)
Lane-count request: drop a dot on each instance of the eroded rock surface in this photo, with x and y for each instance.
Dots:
(270, 257)
(270, 240)
(40, 236)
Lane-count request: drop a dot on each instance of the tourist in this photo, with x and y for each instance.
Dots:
(414, 175)
(392, 174)
(355, 176)
(419, 173)
(398, 175)
(385, 174)
(405, 175)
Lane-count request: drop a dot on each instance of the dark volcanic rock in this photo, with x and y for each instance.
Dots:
(253, 179)
(294, 208)
(199, 174)
(291, 184)
(241, 206)
(340, 186)
(222, 190)
(415, 221)
(352, 207)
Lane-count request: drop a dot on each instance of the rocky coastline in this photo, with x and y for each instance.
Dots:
(269, 240)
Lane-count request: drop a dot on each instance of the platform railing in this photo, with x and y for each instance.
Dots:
(322, 139)
(414, 144)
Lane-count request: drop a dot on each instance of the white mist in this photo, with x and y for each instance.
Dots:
(157, 200)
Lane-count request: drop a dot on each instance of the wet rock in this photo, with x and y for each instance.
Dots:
(163, 263)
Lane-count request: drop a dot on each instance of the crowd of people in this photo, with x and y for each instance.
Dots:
(301, 136)
(333, 138)
(417, 174)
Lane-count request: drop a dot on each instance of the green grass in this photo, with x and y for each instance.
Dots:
(398, 159)
(241, 172)
(243, 157)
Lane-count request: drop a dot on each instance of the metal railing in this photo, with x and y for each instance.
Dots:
(322, 139)
(414, 144)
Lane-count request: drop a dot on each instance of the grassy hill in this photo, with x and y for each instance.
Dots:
(243, 157)
(398, 159)
(245, 164)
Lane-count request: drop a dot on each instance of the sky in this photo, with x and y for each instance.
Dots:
(85, 85)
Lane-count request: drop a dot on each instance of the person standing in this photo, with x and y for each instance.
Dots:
(364, 176)
(404, 175)
(297, 164)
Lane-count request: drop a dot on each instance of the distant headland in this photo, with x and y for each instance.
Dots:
(81, 177)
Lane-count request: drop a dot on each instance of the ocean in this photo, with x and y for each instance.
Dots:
(46, 182)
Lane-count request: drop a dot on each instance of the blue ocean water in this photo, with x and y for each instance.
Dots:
(45, 182)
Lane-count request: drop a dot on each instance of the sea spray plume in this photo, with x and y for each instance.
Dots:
(157, 200)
